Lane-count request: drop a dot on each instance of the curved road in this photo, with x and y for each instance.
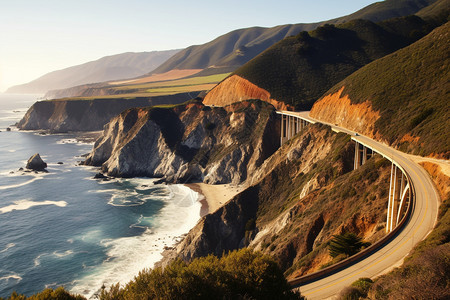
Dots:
(421, 222)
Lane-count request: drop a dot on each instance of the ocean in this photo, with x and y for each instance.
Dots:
(66, 228)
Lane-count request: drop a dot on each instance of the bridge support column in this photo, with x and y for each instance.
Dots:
(356, 160)
(282, 135)
(399, 197)
(362, 154)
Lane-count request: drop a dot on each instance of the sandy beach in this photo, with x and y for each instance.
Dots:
(215, 195)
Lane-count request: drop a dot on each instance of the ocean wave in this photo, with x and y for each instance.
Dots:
(26, 204)
(134, 192)
(37, 260)
(62, 254)
(10, 245)
(54, 254)
(13, 276)
(73, 141)
(38, 176)
(127, 256)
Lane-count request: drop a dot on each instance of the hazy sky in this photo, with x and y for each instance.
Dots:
(39, 36)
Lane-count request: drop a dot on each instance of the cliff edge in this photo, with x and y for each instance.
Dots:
(85, 115)
(189, 142)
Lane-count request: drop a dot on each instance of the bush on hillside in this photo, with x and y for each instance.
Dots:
(47, 294)
(242, 274)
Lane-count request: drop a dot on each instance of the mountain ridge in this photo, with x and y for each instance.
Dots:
(245, 48)
(112, 67)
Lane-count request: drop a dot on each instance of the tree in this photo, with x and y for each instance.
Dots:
(347, 243)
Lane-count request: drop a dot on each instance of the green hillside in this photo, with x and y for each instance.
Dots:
(299, 69)
(411, 90)
(230, 51)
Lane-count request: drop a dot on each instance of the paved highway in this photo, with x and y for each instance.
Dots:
(421, 222)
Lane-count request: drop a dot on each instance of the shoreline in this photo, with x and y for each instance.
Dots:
(214, 196)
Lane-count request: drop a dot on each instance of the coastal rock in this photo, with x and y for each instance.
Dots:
(8, 129)
(85, 115)
(189, 142)
(100, 176)
(36, 163)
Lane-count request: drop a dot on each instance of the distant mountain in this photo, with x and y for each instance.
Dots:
(230, 51)
(120, 66)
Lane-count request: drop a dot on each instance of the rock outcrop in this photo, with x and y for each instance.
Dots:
(360, 117)
(36, 163)
(86, 115)
(188, 142)
(236, 89)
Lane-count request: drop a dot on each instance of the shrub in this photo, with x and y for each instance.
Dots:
(47, 294)
(351, 293)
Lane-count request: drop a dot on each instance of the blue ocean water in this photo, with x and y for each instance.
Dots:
(66, 228)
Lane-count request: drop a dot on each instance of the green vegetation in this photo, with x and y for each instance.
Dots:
(48, 294)
(347, 243)
(358, 290)
(161, 88)
(299, 69)
(184, 82)
(232, 50)
(242, 274)
(411, 90)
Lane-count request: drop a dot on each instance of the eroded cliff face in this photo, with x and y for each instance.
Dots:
(338, 109)
(188, 142)
(301, 196)
(85, 115)
(236, 89)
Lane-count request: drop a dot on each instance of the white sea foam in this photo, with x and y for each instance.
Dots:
(55, 254)
(73, 141)
(26, 204)
(62, 254)
(128, 255)
(10, 245)
(12, 276)
(38, 176)
(37, 260)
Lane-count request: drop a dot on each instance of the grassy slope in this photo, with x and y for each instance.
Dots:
(161, 88)
(411, 90)
(298, 70)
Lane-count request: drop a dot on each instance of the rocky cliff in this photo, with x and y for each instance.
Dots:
(235, 89)
(188, 142)
(299, 197)
(85, 115)
(337, 108)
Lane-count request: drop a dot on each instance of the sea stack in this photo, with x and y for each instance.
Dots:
(36, 163)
